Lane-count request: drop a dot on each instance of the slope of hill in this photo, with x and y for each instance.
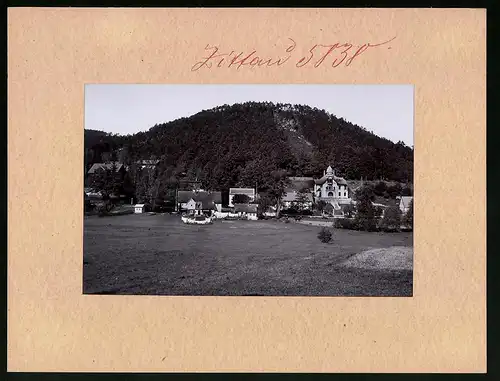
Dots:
(243, 143)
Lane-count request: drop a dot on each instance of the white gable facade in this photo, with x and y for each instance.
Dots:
(404, 204)
(331, 189)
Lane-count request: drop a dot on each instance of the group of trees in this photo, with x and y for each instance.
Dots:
(371, 218)
(144, 185)
(249, 145)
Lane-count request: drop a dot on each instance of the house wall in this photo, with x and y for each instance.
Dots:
(402, 207)
(252, 216)
(306, 205)
(191, 205)
(338, 191)
(225, 214)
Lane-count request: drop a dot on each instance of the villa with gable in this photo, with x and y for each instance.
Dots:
(331, 189)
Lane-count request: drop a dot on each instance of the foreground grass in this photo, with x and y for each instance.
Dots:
(141, 254)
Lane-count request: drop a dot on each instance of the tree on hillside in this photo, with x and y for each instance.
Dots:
(380, 188)
(407, 190)
(277, 188)
(243, 143)
(365, 192)
(394, 190)
(365, 213)
(408, 218)
(148, 188)
(391, 221)
(107, 181)
(241, 199)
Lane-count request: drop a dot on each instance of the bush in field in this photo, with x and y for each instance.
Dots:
(325, 235)
(345, 223)
(104, 208)
(392, 219)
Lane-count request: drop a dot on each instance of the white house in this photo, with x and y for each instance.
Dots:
(209, 200)
(404, 203)
(331, 189)
(250, 192)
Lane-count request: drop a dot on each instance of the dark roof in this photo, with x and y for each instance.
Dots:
(245, 208)
(185, 196)
(103, 166)
(291, 195)
(299, 183)
(148, 162)
(338, 180)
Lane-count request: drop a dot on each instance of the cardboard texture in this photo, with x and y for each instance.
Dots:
(52, 326)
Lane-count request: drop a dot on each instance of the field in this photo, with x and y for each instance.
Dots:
(158, 255)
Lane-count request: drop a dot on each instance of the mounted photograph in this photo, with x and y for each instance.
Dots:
(248, 190)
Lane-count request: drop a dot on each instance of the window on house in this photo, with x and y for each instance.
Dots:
(345, 194)
(339, 194)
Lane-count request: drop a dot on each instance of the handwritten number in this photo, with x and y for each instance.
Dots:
(309, 59)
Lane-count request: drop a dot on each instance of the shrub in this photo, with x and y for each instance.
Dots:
(365, 216)
(392, 219)
(104, 208)
(325, 235)
(345, 223)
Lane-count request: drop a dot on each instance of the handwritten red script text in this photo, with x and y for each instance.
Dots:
(334, 55)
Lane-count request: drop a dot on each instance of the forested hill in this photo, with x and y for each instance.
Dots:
(241, 144)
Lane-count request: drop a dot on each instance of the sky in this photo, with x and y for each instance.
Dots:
(386, 110)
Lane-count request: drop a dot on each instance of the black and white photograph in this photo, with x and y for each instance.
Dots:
(248, 190)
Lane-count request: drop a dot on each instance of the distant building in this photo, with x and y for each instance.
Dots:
(250, 192)
(147, 164)
(292, 198)
(139, 208)
(404, 203)
(246, 210)
(96, 167)
(331, 189)
(199, 200)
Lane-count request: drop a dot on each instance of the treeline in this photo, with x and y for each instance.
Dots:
(242, 144)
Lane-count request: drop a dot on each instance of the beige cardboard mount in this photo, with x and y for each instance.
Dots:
(52, 326)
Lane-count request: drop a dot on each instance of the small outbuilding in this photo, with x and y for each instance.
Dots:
(139, 208)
